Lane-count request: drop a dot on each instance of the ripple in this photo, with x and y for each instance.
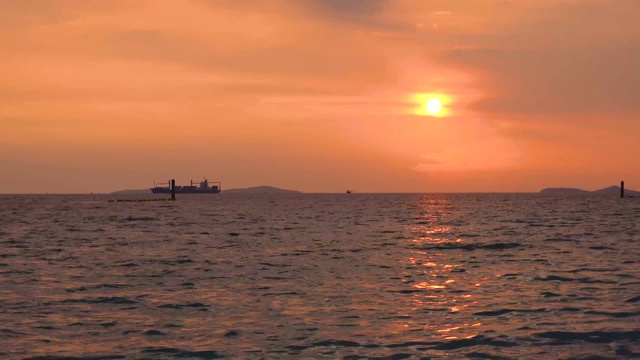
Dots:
(475, 341)
(153, 333)
(106, 357)
(592, 336)
(399, 356)
(623, 314)
(633, 299)
(141, 218)
(479, 355)
(584, 280)
(180, 353)
(182, 306)
(471, 247)
(506, 311)
(100, 300)
(331, 342)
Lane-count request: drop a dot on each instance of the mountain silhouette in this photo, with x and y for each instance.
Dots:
(611, 190)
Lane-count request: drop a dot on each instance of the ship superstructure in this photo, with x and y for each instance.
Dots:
(203, 188)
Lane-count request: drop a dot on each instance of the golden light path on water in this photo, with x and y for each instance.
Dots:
(445, 287)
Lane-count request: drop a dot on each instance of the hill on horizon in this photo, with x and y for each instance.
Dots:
(132, 192)
(611, 190)
(260, 190)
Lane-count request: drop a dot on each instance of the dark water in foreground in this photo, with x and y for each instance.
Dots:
(320, 276)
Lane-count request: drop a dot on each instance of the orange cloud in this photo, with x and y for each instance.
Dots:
(316, 95)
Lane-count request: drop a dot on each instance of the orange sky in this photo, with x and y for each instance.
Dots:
(319, 95)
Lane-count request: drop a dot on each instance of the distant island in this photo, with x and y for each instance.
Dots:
(260, 190)
(611, 190)
(248, 190)
(132, 192)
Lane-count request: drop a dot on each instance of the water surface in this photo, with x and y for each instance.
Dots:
(331, 276)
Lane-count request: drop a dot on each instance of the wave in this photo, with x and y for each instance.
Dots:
(592, 336)
(180, 353)
(471, 247)
(584, 280)
(100, 300)
(506, 311)
(182, 306)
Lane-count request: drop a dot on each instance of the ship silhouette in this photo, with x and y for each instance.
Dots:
(203, 188)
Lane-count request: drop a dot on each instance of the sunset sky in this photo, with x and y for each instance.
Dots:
(319, 95)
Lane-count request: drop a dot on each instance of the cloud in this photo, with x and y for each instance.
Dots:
(549, 63)
(556, 81)
(351, 7)
(489, 153)
(18, 14)
(218, 50)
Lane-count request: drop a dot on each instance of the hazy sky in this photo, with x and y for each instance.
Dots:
(319, 95)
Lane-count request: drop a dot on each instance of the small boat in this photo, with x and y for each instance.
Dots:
(348, 191)
(203, 188)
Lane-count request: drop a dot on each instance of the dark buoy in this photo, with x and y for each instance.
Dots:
(173, 189)
(621, 189)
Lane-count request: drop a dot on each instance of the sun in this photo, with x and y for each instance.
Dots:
(433, 106)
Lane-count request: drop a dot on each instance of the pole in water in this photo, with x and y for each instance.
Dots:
(173, 189)
(621, 189)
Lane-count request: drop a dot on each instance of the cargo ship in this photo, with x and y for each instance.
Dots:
(204, 188)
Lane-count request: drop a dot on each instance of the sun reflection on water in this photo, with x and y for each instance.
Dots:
(445, 286)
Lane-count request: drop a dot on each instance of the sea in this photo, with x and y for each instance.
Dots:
(320, 276)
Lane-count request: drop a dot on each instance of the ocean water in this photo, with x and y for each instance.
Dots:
(320, 276)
